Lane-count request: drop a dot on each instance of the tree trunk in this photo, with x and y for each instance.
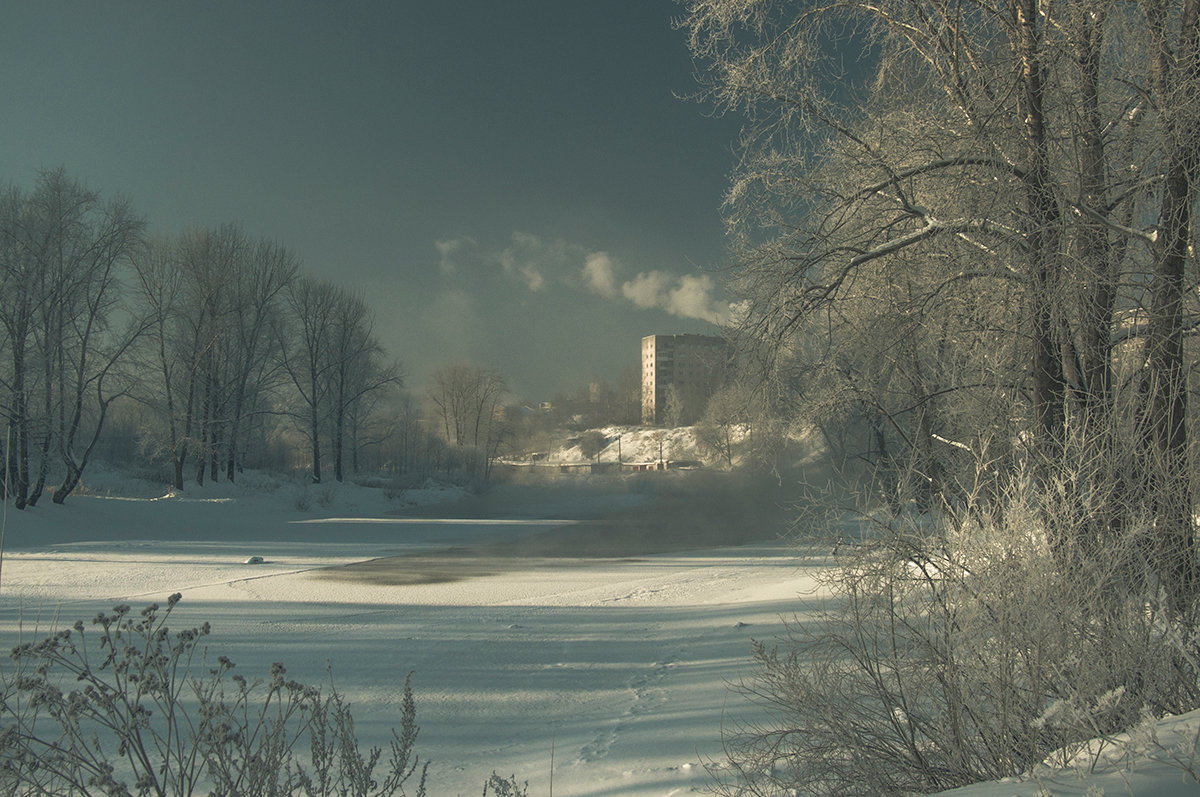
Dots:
(1168, 474)
(1175, 75)
(1044, 220)
(316, 453)
(202, 422)
(69, 483)
(339, 425)
(1098, 288)
(232, 444)
(43, 461)
(18, 426)
(214, 443)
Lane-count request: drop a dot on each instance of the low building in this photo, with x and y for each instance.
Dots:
(679, 374)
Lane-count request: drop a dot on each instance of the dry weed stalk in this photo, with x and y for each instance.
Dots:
(128, 707)
(964, 647)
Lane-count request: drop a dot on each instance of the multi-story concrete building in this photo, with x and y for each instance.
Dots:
(679, 374)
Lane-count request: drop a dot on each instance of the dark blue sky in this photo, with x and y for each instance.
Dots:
(514, 183)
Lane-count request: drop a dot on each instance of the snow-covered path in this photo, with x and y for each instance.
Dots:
(615, 670)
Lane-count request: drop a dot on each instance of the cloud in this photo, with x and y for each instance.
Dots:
(450, 251)
(648, 290)
(542, 264)
(689, 296)
(531, 258)
(534, 279)
(693, 298)
(600, 274)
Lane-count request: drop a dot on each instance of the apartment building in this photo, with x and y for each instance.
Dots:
(679, 374)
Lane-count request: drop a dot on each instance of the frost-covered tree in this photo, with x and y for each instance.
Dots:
(969, 228)
(211, 298)
(62, 252)
(994, 203)
(335, 365)
(358, 374)
(305, 342)
(466, 400)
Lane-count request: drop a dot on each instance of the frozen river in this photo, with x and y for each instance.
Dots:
(607, 671)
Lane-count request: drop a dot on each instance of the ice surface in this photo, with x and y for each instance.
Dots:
(617, 667)
(608, 675)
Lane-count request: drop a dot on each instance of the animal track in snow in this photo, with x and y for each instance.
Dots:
(647, 696)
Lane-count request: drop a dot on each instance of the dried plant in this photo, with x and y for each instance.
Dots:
(963, 648)
(129, 707)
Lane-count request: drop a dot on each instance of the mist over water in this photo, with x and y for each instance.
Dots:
(606, 519)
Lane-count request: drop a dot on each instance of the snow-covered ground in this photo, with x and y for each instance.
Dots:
(584, 676)
(613, 669)
(632, 444)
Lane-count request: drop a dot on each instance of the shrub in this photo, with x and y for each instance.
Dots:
(129, 707)
(958, 649)
(591, 443)
(326, 496)
(505, 787)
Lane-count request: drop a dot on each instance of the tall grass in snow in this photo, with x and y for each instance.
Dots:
(126, 706)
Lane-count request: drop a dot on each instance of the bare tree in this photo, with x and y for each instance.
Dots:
(591, 443)
(1007, 150)
(159, 285)
(467, 400)
(18, 301)
(66, 247)
(211, 298)
(305, 342)
(977, 242)
(357, 371)
(414, 446)
(335, 363)
(178, 286)
(675, 407)
(724, 423)
(1173, 32)
(254, 294)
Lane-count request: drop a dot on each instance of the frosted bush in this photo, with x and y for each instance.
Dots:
(960, 649)
(126, 707)
(326, 496)
(505, 786)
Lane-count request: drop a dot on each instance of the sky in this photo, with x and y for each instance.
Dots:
(519, 185)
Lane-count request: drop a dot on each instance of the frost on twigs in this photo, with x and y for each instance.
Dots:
(959, 649)
(129, 707)
(505, 787)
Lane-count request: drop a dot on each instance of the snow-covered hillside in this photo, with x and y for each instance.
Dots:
(630, 445)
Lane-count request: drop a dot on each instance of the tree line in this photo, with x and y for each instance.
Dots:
(213, 339)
